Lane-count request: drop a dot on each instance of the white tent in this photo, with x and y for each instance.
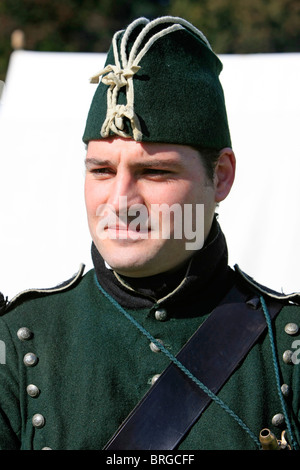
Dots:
(44, 235)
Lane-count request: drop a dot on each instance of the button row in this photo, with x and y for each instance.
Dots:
(30, 360)
(160, 315)
(291, 329)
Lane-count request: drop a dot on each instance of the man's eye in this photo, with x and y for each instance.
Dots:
(101, 171)
(156, 171)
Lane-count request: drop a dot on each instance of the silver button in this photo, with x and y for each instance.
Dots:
(287, 357)
(285, 390)
(291, 328)
(154, 378)
(161, 314)
(38, 420)
(278, 420)
(30, 359)
(154, 347)
(46, 448)
(24, 333)
(32, 390)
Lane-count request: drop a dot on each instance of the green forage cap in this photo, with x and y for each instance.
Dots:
(160, 83)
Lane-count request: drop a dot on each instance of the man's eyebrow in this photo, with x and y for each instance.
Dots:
(158, 163)
(96, 162)
(153, 163)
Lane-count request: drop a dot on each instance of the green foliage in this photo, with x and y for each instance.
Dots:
(232, 26)
(245, 26)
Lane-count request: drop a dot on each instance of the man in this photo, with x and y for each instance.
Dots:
(161, 345)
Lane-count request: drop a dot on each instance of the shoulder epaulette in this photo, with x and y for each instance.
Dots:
(259, 288)
(5, 305)
(3, 302)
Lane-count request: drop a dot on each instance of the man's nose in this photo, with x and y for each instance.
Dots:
(124, 192)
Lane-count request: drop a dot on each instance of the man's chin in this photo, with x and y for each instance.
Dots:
(142, 258)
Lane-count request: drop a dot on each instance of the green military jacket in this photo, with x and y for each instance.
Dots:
(73, 367)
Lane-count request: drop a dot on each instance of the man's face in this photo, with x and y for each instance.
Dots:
(125, 186)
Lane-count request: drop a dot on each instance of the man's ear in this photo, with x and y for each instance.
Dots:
(224, 174)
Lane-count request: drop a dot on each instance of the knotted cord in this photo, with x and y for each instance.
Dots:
(121, 74)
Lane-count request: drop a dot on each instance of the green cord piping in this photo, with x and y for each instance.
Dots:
(203, 387)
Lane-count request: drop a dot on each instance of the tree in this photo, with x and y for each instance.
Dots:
(232, 26)
(244, 26)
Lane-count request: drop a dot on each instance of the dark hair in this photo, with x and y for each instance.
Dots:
(209, 159)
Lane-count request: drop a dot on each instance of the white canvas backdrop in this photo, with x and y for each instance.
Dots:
(44, 235)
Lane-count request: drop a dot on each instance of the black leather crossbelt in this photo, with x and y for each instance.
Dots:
(174, 403)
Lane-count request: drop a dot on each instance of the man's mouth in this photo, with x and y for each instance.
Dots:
(127, 232)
